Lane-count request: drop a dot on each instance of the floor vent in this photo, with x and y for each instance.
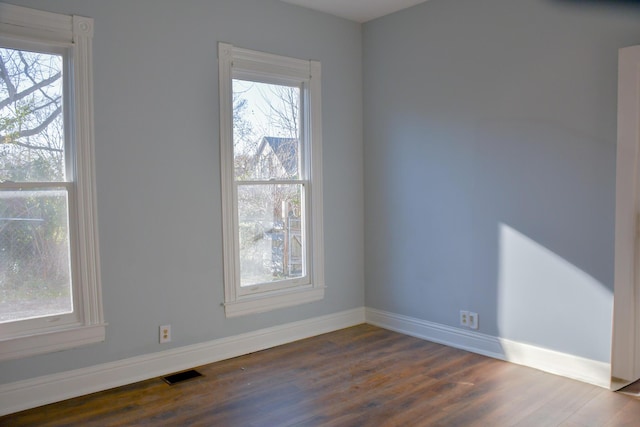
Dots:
(181, 377)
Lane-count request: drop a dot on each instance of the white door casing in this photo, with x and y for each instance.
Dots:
(625, 366)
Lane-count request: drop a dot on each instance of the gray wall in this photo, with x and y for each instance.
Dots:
(158, 175)
(490, 141)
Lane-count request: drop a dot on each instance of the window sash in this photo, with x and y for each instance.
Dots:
(260, 287)
(303, 112)
(15, 328)
(63, 50)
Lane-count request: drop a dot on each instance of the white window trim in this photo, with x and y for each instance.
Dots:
(232, 58)
(76, 34)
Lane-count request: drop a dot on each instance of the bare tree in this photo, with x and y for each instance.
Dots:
(283, 109)
(31, 122)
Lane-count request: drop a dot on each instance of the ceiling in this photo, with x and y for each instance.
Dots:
(357, 10)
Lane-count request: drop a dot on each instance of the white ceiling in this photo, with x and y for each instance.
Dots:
(357, 10)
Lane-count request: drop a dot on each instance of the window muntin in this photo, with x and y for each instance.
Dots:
(271, 176)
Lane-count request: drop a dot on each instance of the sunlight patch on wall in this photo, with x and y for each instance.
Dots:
(547, 301)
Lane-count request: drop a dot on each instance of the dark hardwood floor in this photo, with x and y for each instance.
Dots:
(360, 376)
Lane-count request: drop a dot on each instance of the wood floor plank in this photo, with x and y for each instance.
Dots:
(360, 376)
(597, 412)
(628, 416)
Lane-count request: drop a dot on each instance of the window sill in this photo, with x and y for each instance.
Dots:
(272, 301)
(48, 342)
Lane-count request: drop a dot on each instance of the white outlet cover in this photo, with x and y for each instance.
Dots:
(473, 320)
(165, 336)
(464, 318)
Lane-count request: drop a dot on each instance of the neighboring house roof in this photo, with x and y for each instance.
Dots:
(285, 149)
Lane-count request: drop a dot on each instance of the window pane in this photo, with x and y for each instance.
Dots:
(31, 119)
(34, 254)
(270, 222)
(266, 121)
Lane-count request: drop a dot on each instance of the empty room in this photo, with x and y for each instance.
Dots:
(297, 212)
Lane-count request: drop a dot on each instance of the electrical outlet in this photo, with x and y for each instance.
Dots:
(473, 320)
(464, 318)
(165, 334)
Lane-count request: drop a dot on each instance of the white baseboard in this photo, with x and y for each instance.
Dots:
(567, 365)
(39, 391)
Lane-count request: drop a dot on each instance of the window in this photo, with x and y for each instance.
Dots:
(271, 162)
(49, 276)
